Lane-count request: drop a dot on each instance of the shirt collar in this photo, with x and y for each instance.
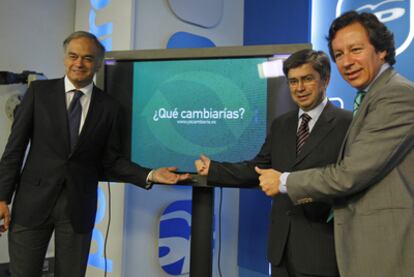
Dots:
(87, 90)
(384, 67)
(315, 112)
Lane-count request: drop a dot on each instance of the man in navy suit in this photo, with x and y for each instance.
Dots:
(55, 189)
(300, 240)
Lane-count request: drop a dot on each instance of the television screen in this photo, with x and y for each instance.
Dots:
(180, 103)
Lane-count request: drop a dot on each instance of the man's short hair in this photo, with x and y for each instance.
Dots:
(379, 35)
(317, 59)
(83, 34)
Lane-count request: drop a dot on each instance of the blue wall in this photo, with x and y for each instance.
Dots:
(266, 22)
(276, 21)
(302, 21)
(324, 12)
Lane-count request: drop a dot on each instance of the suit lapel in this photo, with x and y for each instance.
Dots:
(322, 127)
(379, 83)
(289, 144)
(56, 100)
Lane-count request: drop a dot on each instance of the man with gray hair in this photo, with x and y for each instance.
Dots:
(73, 130)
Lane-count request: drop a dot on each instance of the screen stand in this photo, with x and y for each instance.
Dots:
(201, 260)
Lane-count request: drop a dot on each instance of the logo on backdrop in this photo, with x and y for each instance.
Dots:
(337, 101)
(174, 240)
(103, 31)
(97, 259)
(398, 15)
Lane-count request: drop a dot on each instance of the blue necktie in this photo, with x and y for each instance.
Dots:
(358, 100)
(74, 116)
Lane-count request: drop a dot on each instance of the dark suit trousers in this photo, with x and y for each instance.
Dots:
(287, 269)
(28, 246)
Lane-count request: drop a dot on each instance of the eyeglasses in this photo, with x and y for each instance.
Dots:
(306, 81)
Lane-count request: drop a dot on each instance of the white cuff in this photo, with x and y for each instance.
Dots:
(282, 182)
(149, 179)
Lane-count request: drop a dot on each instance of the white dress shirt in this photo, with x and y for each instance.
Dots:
(85, 100)
(314, 114)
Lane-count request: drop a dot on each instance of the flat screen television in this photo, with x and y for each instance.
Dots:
(179, 103)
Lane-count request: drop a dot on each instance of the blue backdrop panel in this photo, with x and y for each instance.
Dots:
(266, 22)
(397, 15)
(276, 21)
(254, 216)
(188, 40)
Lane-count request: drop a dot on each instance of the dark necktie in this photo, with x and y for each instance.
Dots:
(74, 116)
(358, 100)
(303, 132)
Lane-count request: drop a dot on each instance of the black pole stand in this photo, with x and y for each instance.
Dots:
(201, 261)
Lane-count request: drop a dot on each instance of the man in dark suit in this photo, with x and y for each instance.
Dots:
(300, 240)
(73, 131)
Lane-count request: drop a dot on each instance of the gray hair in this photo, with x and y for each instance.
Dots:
(83, 34)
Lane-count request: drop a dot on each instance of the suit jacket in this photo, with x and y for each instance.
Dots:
(372, 184)
(50, 166)
(304, 227)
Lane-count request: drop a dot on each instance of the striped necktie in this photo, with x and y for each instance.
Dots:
(303, 132)
(358, 100)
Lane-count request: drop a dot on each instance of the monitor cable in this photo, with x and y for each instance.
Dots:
(219, 231)
(107, 229)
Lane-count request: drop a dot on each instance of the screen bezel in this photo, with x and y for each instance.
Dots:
(197, 53)
(112, 57)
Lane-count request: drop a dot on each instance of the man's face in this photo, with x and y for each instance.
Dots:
(306, 87)
(81, 61)
(356, 58)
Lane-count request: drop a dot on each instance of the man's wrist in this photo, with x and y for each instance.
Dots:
(150, 178)
(282, 182)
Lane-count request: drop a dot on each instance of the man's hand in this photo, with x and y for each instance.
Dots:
(167, 175)
(202, 165)
(5, 215)
(269, 180)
